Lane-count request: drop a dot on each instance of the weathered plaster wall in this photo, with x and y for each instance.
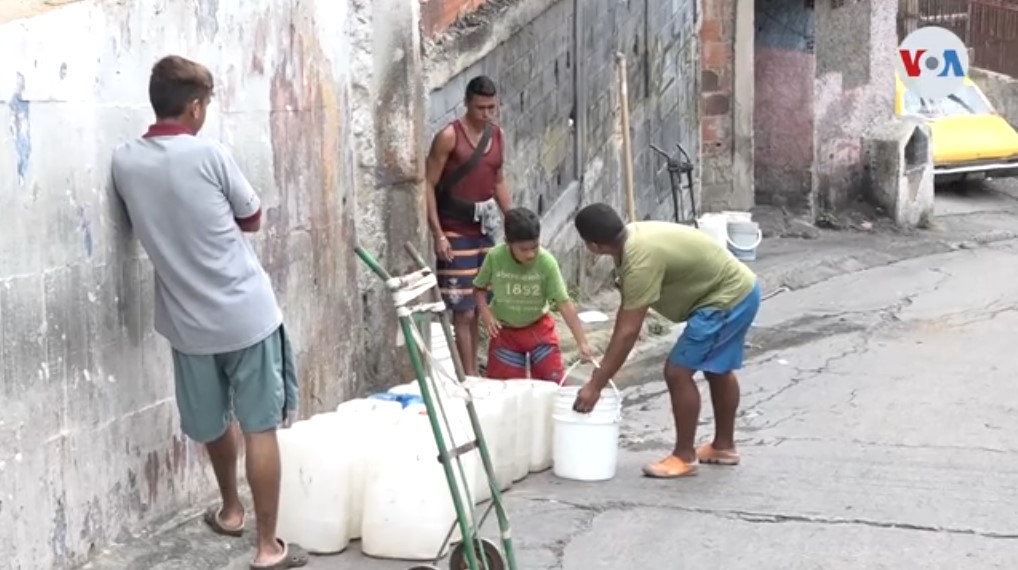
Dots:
(89, 441)
(560, 110)
(783, 118)
(1001, 90)
(854, 92)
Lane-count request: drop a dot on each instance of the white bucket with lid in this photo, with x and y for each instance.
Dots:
(585, 447)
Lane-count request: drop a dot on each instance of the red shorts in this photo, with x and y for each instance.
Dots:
(509, 351)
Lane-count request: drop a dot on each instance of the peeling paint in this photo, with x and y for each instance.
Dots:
(21, 127)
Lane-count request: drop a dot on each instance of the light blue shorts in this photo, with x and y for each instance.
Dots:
(714, 339)
(256, 385)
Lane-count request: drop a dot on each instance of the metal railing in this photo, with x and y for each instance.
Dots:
(950, 14)
(993, 35)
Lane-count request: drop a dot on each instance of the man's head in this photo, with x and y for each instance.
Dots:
(481, 100)
(601, 228)
(523, 234)
(180, 91)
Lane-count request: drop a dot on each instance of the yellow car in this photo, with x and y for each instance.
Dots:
(970, 139)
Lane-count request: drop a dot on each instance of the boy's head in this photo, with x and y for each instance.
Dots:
(523, 234)
(180, 89)
(601, 228)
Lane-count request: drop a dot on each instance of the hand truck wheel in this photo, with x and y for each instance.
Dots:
(425, 567)
(488, 555)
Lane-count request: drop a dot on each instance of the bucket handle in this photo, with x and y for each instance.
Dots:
(759, 239)
(596, 364)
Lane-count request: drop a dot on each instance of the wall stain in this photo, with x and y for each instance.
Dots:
(152, 472)
(86, 231)
(21, 127)
(306, 151)
(206, 15)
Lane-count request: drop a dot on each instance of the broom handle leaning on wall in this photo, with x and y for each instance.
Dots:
(627, 144)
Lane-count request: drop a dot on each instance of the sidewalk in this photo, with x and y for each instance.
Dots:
(547, 513)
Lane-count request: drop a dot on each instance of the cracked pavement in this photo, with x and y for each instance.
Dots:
(875, 429)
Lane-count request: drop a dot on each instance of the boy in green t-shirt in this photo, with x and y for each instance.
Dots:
(524, 281)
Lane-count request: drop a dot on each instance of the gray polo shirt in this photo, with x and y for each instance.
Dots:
(183, 195)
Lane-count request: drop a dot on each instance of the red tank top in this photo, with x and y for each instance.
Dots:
(479, 184)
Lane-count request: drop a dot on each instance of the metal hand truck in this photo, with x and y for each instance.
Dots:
(485, 554)
(676, 168)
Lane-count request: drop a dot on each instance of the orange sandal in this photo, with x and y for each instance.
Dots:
(707, 454)
(670, 467)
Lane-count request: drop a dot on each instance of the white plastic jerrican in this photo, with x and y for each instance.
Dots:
(408, 507)
(497, 425)
(523, 426)
(371, 421)
(314, 490)
(586, 446)
(542, 431)
(716, 226)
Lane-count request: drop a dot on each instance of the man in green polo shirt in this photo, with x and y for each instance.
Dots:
(685, 276)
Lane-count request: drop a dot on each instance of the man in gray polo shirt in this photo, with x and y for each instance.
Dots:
(189, 205)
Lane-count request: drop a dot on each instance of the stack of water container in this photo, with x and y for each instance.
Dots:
(369, 470)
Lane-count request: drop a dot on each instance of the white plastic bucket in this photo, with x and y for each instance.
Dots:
(743, 239)
(585, 447)
(715, 226)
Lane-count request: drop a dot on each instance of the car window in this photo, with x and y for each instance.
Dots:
(967, 101)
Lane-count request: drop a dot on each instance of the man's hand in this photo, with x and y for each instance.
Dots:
(587, 398)
(443, 249)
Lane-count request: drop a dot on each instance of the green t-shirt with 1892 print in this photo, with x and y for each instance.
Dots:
(521, 293)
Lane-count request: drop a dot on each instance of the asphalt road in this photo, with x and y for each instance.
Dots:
(876, 431)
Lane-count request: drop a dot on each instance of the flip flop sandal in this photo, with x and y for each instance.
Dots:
(670, 467)
(212, 519)
(707, 454)
(293, 557)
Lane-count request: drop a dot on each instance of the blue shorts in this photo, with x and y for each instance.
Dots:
(713, 340)
(456, 278)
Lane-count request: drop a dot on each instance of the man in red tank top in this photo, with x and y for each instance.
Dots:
(466, 193)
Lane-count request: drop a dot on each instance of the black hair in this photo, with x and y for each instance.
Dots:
(522, 224)
(599, 224)
(481, 86)
(174, 83)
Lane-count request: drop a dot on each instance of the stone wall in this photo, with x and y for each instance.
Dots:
(560, 112)
(89, 441)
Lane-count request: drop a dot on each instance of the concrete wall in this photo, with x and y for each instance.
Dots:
(530, 48)
(855, 45)
(783, 117)
(727, 109)
(1001, 90)
(89, 440)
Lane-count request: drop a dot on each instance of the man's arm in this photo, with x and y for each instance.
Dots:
(502, 196)
(243, 200)
(628, 323)
(641, 288)
(441, 146)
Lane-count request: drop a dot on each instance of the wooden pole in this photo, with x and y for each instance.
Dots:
(627, 144)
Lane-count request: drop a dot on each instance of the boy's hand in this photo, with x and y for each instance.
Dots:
(586, 353)
(490, 324)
